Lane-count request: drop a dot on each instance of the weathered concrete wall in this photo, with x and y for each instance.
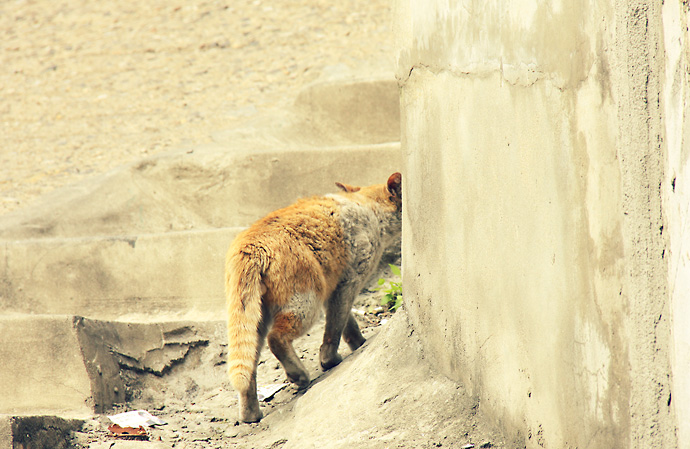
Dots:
(539, 178)
(676, 101)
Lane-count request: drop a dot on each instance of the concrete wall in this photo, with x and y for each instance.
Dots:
(546, 202)
(676, 120)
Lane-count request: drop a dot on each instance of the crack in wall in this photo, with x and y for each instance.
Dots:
(523, 75)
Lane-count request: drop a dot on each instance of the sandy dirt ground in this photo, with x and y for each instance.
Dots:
(87, 86)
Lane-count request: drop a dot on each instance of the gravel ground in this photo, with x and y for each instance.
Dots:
(87, 86)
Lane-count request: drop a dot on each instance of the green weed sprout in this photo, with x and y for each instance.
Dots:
(393, 291)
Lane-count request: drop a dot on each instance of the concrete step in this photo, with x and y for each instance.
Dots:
(172, 275)
(89, 252)
(203, 187)
(74, 366)
(150, 237)
(328, 114)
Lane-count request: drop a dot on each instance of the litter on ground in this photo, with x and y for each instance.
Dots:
(135, 419)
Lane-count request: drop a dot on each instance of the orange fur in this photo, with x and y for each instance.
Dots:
(289, 264)
(295, 249)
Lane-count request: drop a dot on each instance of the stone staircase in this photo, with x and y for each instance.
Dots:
(125, 270)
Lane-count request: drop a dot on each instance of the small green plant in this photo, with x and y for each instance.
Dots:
(393, 291)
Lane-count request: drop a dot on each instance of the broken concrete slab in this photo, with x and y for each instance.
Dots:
(111, 349)
(175, 274)
(142, 347)
(75, 365)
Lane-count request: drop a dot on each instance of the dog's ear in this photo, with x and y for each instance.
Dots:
(347, 187)
(395, 185)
